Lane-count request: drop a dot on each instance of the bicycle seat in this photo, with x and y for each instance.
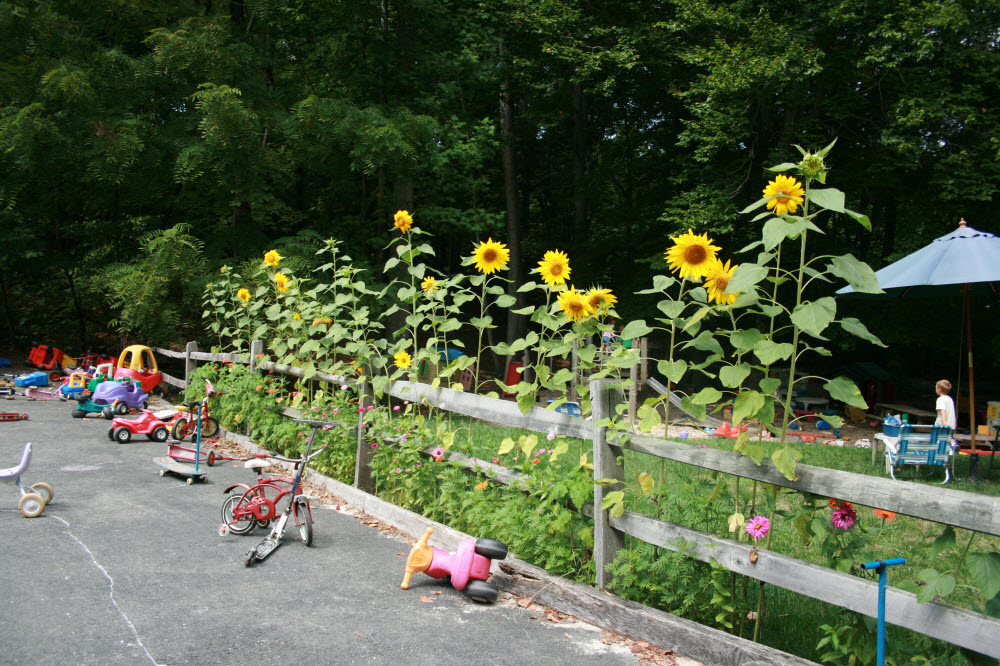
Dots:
(317, 424)
(11, 472)
(257, 463)
(192, 405)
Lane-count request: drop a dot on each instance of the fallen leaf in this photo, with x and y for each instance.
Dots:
(567, 635)
(436, 593)
(524, 602)
(426, 600)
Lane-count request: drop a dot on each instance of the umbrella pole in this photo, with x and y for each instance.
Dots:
(974, 456)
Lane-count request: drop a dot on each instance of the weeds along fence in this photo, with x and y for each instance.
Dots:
(970, 511)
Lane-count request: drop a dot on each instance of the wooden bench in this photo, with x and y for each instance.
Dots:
(933, 447)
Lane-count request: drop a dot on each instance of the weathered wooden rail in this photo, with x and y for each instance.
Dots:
(960, 509)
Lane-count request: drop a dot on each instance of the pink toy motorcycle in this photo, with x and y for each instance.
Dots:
(469, 566)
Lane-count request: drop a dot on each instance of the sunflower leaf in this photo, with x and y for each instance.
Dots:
(732, 376)
(746, 276)
(636, 329)
(830, 198)
(861, 219)
(746, 339)
(815, 316)
(527, 286)
(843, 389)
(857, 273)
(856, 328)
(755, 206)
(770, 352)
(672, 370)
(784, 166)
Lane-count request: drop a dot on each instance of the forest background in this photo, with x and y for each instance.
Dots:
(143, 145)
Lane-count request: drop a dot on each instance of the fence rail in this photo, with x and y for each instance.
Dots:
(970, 511)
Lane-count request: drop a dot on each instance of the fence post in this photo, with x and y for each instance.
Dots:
(189, 363)
(607, 540)
(256, 347)
(364, 455)
(574, 394)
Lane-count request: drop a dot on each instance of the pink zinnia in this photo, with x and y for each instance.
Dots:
(758, 527)
(843, 516)
(437, 453)
(374, 445)
(550, 436)
(395, 408)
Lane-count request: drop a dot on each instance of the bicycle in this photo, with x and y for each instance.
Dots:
(242, 512)
(183, 427)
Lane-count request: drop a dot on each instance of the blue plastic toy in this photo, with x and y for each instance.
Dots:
(32, 379)
(880, 566)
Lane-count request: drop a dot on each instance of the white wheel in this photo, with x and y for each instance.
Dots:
(223, 530)
(43, 489)
(31, 505)
(190, 480)
(163, 472)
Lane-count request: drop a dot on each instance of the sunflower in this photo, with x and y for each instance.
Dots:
(402, 220)
(787, 193)
(691, 254)
(429, 284)
(271, 258)
(554, 268)
(243, 294)
(402, 360)
(491, 256)
(281, 280)
(717, 280)
(597, 297)
(574, 305)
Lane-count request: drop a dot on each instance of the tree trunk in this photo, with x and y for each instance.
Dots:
(581, 212)
(514, 322)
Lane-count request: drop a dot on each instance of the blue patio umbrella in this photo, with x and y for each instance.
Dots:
(964, 260)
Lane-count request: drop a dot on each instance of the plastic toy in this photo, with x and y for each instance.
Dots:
(49, 358)
(33, 500)
(151, 424)
(91, 361)
(119, 397)
(468, 566)
(242, 512)
(725, 430)
(35, 393)
(138, 363)
(879, 566)
(32, 379)
(75, 386)
(13, 416)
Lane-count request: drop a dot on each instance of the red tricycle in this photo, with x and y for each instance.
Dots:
(151, 424)
(257, 505)
(469, 566)
(184, 424)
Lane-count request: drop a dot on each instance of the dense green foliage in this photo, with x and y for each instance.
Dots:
(254, 121)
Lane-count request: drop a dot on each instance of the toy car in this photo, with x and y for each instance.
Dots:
(137, 363)
(49, 358)
(119, 397)
(32, 379)
(469, 566)
(76, 385)
(150, 424)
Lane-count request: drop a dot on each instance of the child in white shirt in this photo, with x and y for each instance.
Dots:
(945, 406)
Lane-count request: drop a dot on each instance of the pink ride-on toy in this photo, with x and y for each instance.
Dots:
(33, 500)
(469, 566)
(151, 424)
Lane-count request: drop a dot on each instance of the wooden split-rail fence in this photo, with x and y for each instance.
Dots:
(960, 509)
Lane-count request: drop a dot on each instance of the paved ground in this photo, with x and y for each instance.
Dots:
(126, 567)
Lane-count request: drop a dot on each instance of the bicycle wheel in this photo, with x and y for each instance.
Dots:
(179, 431)
(303, 518)
(209, 427)
(244, 524)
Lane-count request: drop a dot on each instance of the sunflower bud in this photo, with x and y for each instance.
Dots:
(812, 167)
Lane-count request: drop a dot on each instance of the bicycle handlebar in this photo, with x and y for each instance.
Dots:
(271, 454)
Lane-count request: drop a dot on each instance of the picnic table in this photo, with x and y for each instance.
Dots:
(896, 408)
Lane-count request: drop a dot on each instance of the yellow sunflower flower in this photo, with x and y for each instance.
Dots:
(574, 305)
(787, 193)
(281, 280)
(297, 317)
(271, 258)
(243, 294)
(402, 220)
(491, 256)
(717, 280)
(598, 297)
(402, 360)
(429, 284)
(554, 268)
(691, 254)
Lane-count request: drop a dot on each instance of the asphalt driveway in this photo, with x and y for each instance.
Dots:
(126, 567)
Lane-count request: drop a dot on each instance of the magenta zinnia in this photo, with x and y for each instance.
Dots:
(843, 516)
(758, 527)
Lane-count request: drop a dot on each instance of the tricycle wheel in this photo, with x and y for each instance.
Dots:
(211, 458)
(55, 376)
(78, 414)
(159, 434)
(122, 435)
(31, 505)
(111, 433)
(108, 413)
(178, 432)
(43, 489)
(480, 590)
(237, 525)
(304, 520)
(491, 548)
(210, 427)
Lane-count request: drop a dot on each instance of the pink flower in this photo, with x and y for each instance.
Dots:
(541, 451)
(398, 470)
(420, 464)
(436, 453)
(327, 427)
(395, 408)
(843, 516)
(294, 393)
(361, 410)
(550, 436)
(336, 410)
(343, 387)
(406, 402)
(496, 461)
(374, 445)
(758, 527)
(370, 407)
(324, 415)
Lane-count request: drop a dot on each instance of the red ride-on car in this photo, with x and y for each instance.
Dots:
(152, 425)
